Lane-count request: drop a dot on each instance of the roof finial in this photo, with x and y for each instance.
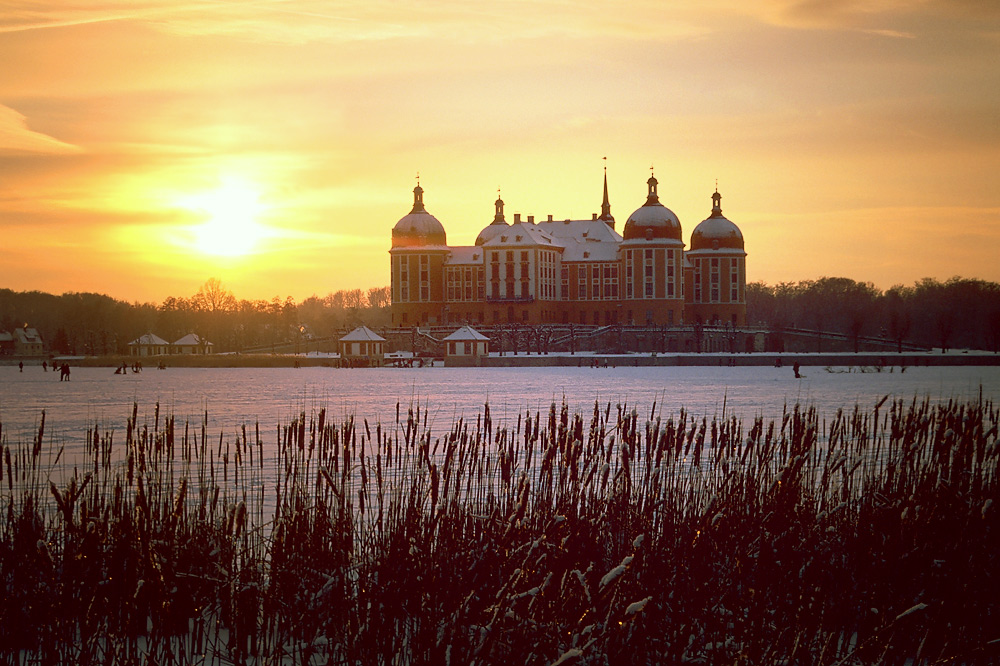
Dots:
(498, 216)
(652, 199)
(418, 197)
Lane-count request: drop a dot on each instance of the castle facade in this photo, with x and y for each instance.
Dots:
(570, 271)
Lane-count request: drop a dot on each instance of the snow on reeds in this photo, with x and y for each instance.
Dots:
(869, 537)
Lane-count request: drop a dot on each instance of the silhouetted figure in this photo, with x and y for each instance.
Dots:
(795, 368)
(64, 372)
(20, 366)
(45, 366)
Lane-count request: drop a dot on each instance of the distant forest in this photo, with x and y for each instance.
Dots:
(95, 324)
(958, 313)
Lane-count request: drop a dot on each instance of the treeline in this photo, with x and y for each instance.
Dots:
(960, 313)
(95, 324)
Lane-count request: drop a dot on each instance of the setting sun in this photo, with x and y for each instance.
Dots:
(231, 227)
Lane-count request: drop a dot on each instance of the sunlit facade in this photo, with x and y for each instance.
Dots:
(570, 271)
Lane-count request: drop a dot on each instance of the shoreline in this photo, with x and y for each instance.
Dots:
(561, 359)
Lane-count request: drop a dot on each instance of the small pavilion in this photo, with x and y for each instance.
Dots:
(465, 347)
(192, 343)
(362, 347)
(148, 345)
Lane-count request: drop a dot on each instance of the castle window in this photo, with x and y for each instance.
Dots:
(404, 279)
(629, 285)
(734, 281)
(670, 274)
(714, 280)
(647, 272)
(425, 287)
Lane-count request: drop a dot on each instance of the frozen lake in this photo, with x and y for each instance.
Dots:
(272, 396)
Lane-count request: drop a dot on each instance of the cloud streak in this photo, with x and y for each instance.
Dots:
(17, 137)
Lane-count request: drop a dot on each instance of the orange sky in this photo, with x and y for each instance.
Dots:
(849, 138)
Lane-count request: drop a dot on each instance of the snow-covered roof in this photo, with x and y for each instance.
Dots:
(491, 231)
(523, 234)
(588, 250)
(466, 333)
(149, 339)
(362, 334)
(465, 254)
(193, 339)
(591, 230)
(27, 335)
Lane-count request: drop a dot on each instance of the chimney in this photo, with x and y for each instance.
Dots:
(517, 218)
(594, 216)
(531, 219)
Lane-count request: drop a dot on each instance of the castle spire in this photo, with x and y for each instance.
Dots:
(606, 203)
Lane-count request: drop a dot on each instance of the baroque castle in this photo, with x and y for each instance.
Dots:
(570, 271)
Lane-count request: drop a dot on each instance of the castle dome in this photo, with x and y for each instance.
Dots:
(716, 232)
(653, 220)
(418, 228)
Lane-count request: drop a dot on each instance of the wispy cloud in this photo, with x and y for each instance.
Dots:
(15, 136)
(28, 16)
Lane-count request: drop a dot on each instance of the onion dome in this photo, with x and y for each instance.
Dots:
(418, 228)
(653, 220)
(716, 232)
(496, 227)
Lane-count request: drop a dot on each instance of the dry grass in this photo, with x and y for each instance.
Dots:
(608, 538)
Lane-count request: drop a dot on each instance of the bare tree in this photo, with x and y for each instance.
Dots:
(354, 299)
(213, 297)
(379, 297)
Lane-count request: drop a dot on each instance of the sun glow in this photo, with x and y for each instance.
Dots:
(231, 212)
